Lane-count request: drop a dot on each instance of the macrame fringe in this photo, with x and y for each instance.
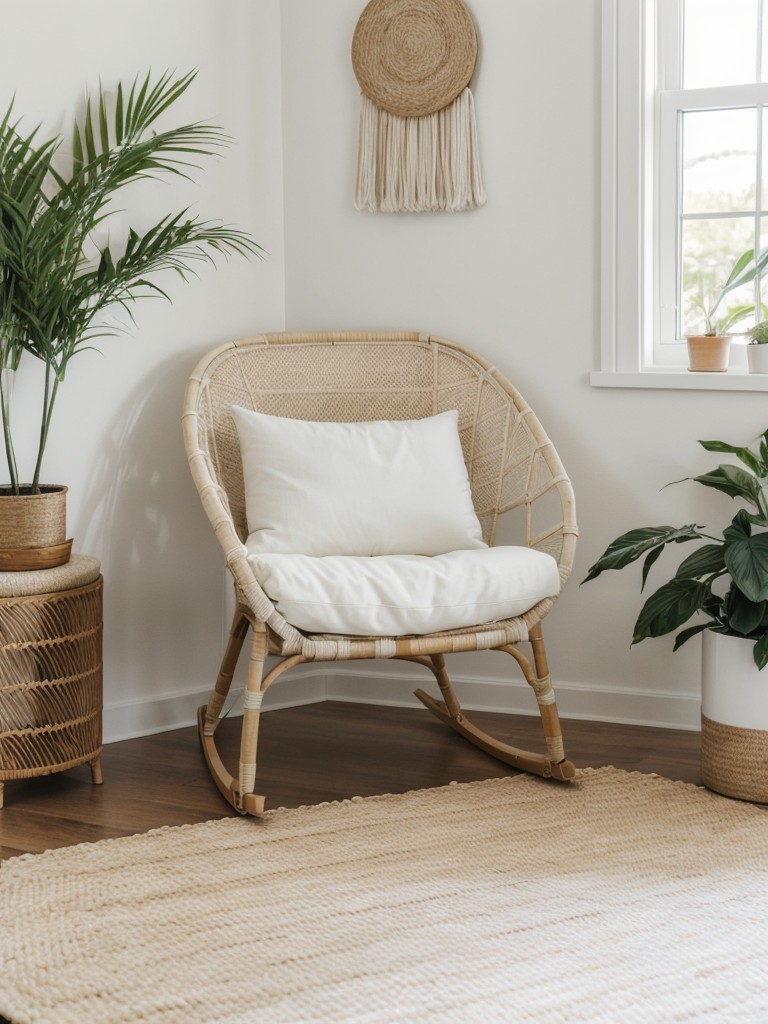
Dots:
(419, 164)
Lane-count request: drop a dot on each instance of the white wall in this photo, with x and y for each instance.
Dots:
(116, 438)
(518, 280)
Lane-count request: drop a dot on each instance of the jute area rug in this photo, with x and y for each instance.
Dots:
(618, 898)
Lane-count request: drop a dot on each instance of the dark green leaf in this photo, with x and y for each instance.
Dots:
(713, 605)
(740, 526)
(103, 128)
(743, 615)
(630, 546)
(138, 110)
(704, 561)
(686, 634)
(671, 606)
(90, 145)
(760, 651)
(746, 558)
(724, 481)
(748, 484)
(651, 557)
(119, 114)
(745, 454)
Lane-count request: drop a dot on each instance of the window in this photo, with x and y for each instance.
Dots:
(685, 176)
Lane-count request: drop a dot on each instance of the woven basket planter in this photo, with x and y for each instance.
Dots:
(33, 528)
(734, 719)
(51, 675)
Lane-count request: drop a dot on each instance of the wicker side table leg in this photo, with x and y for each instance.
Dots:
(96, 777)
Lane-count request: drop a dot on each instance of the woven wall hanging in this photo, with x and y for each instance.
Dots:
(417, 148)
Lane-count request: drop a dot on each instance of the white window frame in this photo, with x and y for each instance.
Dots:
(638, 144)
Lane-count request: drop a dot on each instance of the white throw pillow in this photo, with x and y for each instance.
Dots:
(375, 488)
(393, 595)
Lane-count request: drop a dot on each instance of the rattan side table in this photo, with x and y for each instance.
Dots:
(50, 670)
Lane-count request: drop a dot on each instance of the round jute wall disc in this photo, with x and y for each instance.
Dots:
(413, 57)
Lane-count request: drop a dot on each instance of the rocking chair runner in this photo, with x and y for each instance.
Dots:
(514, 472)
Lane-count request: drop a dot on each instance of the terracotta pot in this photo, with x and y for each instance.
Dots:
(757, 358)
(734, 719)
(33, 528)
(708, 353)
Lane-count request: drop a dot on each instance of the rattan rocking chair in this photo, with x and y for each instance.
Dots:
(514, 472)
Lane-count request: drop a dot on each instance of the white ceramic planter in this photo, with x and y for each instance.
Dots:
(734, 719)
(757, 358)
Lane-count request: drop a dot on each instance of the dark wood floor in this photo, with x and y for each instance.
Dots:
(309, 754)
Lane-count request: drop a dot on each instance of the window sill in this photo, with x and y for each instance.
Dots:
(679, 378)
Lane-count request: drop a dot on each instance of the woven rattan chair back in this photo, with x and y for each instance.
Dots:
(352, 377)
(519, 488)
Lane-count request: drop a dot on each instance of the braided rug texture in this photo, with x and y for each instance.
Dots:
(618, 898)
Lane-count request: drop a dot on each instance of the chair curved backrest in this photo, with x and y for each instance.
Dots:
(520, 492)
(514, 469)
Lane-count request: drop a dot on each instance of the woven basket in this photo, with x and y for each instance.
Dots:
(734, 761)
(50, 680)
(33, 528)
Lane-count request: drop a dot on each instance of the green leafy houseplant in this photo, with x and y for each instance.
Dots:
(55, 282)
(745, 269)
(759, 333)
(726, 579)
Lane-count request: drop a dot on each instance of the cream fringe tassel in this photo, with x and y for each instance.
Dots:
(418, 164)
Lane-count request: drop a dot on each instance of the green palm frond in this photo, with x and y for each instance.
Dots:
(53, 293)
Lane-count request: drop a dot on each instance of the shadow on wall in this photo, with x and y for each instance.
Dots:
(140, 514)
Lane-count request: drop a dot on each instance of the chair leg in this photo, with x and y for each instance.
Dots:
(208, 716)
(246, 801)
(545, 697)
(239, 792)
(237, 634)
(553, 764)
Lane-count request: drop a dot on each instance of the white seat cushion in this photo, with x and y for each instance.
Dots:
(395, 595)
(376, 488)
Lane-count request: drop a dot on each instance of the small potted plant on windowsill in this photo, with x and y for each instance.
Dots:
(757, 349)
(725, 581)
(709, 352)
(55, 281)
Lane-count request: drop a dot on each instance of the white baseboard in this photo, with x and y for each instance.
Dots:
(514, 696)
(366, 683)
(128, 719)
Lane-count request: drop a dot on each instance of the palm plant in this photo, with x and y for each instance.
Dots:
(23, 168)
(53, 292)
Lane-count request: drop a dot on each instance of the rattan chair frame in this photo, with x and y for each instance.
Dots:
(513, 467)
